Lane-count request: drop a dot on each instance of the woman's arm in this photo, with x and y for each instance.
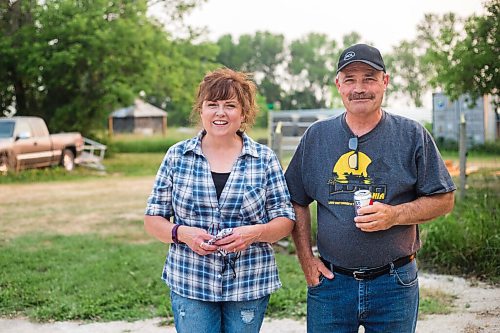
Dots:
(160, 228)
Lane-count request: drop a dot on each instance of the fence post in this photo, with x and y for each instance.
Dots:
(277, 147)
(462, 149)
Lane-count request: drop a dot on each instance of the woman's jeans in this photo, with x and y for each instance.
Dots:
(388, 303)
(194, 316)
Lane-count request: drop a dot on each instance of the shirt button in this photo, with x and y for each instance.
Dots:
(220, 276)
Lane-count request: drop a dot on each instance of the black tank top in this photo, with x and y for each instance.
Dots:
(220, 180)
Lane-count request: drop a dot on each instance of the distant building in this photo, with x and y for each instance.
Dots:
(141, 117)
(482, 120)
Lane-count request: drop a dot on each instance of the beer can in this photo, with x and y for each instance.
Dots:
(362, 198)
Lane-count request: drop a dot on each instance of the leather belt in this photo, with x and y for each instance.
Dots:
(369, 273)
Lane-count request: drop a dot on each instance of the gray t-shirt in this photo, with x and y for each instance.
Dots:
(397, 161)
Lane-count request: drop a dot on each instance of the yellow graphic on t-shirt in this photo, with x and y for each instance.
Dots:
(346, 174)
(349, 174)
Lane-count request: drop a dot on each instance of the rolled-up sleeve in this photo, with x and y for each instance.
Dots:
(278, 202)
(160, 200)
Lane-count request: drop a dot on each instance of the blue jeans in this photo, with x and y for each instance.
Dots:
(194, 316)
(388, 303)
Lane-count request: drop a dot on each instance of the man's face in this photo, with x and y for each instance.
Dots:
(362, 88)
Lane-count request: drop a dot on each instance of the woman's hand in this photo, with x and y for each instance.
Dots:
(242, 237)
(196, 239)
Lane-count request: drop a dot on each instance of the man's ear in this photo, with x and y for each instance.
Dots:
(386, 80)
(337, 82)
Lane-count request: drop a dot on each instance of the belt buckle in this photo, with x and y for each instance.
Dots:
(359, 272)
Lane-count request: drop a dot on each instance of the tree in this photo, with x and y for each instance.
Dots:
(262, 54)
(17, 26)
(72, 62)
(312, 66)
(409, 74)
(464, 55)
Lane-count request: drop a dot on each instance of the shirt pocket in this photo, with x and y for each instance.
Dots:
(252, 209)
(183, 202)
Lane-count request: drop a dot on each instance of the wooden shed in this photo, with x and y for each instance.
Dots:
(141, 117)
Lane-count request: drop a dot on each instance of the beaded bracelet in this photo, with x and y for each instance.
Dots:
(174, 234)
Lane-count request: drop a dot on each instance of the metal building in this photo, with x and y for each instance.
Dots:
(482, 119)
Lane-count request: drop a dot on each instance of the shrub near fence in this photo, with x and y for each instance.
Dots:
(467, 241)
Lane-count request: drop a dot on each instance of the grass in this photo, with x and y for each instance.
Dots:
(46, 175)
(135, 143)
(467, 241)
(81, 277)
(91, 278)
(119, 164)
(434, 301)
(471, 156)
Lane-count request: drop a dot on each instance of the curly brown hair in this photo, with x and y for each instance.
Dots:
(224, 84)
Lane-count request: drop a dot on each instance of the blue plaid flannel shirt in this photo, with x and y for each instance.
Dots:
(256, 192)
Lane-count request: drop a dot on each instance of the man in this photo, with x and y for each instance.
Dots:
(367, 273)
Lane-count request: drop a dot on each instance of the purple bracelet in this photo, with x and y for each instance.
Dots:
(174, 234)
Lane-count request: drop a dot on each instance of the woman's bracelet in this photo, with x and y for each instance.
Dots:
(174, 234)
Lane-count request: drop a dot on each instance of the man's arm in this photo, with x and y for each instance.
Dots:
(380, 216)
(301, 234)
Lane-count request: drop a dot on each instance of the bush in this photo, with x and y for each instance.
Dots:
(485, 148)
(488, 148)
(467, 241)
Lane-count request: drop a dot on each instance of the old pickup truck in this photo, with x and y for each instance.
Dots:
(25, 143)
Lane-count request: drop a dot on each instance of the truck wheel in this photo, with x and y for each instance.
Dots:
(68, 160)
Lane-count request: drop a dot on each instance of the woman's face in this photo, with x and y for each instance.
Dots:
(221, 118)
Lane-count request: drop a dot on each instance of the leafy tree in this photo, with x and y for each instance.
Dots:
(262, 54)
(17, 66)
(72, 62)
(233, 55)
(464, 55)
(312, 66)
(181, 79)
(409, 74)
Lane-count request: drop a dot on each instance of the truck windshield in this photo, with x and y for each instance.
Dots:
(6, 129)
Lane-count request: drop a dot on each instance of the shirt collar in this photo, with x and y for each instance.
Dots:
(194, 145)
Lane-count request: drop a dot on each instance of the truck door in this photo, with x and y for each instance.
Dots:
(42, 141)
(31, 150)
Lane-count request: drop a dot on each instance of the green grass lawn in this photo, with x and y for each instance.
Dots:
(88, 277)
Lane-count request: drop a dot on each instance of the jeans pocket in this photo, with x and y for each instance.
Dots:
(320, 283)
(407, 275)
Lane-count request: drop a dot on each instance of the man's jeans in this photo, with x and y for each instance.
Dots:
(388, 303)
(194, 316)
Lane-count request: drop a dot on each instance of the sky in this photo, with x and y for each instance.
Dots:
(383, 23)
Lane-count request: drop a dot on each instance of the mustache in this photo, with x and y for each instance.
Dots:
(355, 96)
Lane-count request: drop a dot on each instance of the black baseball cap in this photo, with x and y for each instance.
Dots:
(361, 53)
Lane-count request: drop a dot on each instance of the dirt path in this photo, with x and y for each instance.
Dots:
(476, 310)
(115, 206)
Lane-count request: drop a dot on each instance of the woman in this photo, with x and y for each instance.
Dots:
(220, 180)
